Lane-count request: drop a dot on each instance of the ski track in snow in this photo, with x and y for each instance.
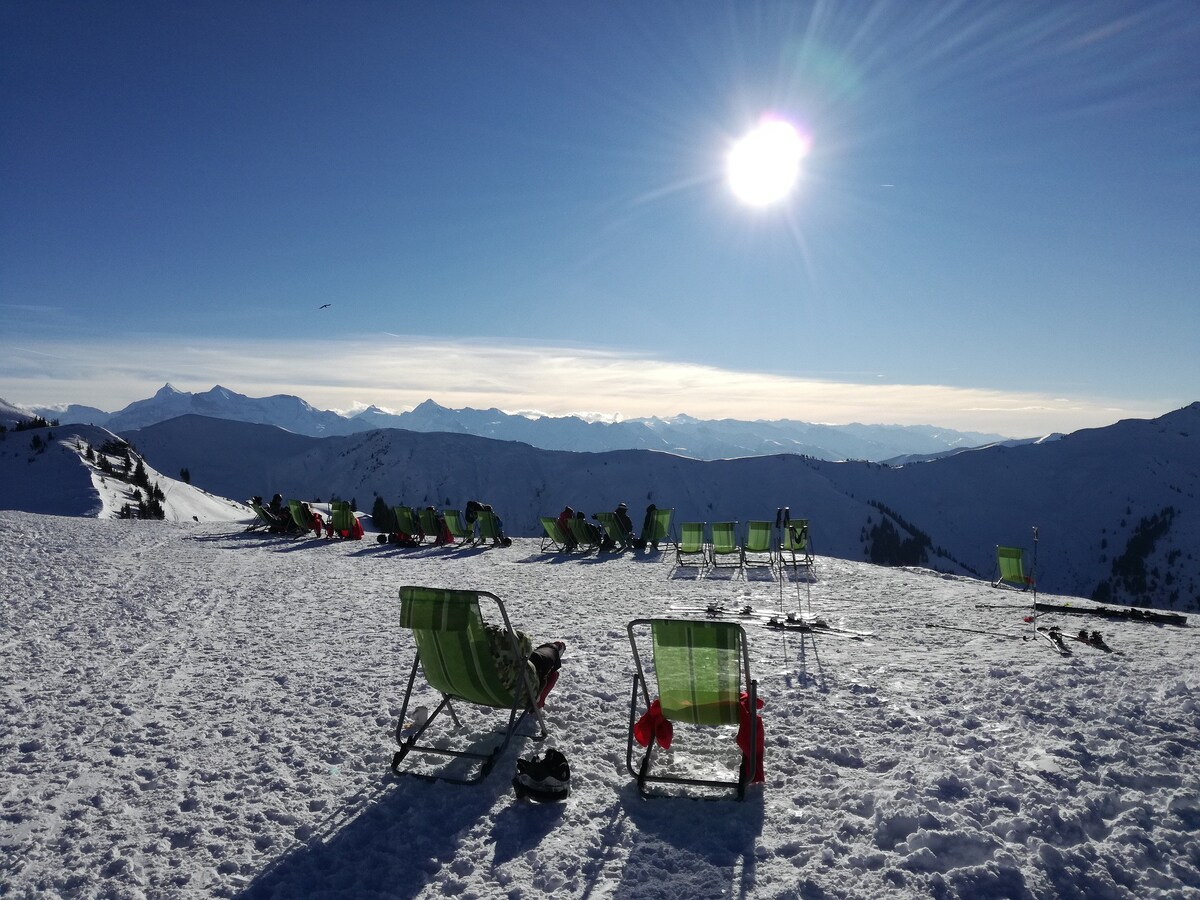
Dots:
(192, 711)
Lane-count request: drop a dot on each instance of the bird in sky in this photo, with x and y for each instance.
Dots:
(325, 306)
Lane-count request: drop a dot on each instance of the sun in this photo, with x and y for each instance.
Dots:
(764, 166)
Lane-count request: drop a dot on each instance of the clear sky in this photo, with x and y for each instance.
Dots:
(525, 205)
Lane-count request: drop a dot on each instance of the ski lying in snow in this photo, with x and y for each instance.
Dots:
(811, 626)
(1091, 638)
(716, 611)
(1128, 613)
(1052, 636)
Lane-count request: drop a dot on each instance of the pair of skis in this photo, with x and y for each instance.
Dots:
(1058, 638)
(791, 621)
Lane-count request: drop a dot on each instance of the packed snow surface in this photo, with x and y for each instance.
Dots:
(190, 710)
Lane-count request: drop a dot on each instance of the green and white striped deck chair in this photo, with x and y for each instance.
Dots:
(429, 524)
(554, 540)
(725, 545)
(759, 544)
(489, 527)
(454, 652)
(301, 518)
(341, 519)
(660, 529)
(407, 522)
(614, 530)
(691, 543)
(1010, 563)
(701, 669)
(584, 539)
(795, 542)
(459, 529)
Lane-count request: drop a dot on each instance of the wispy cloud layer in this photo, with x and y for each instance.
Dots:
(398, 372)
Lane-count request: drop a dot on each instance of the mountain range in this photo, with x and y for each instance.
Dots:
(682, 435)
(1111, 513)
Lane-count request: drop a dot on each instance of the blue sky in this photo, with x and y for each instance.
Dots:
(524, 205)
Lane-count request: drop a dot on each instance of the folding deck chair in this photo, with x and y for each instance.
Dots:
(1010, 563)
(795, 542)
(305, 521)
(758, 544)
(691, 543)
(407, 522)
(454, 653)
(701, 669)
(266, 519)
(429, 523)
(489, 528)
(343, 523)
(724, 544)
(613, 529)
(459, 529)
(660, 529)
(584, 539)
(554, 539)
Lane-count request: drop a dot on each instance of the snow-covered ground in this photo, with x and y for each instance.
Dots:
(192, 711)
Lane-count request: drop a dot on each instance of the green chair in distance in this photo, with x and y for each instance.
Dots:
(724, 545)
(759, 548)
(554, 538)
(305, 518)
(701, 669)
(408, 523)
(427, 517)
(691, 544)
(489, 529)
(795, 543)
(585, 538)
(459, 529)
(616, 534)
(1010, 563)
(659, 531)
(343, 523)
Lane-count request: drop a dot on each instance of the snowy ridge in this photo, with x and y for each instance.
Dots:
(1089, 493)
(212, 716)
(45, 470)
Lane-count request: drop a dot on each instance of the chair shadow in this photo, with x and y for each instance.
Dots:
(714, 834)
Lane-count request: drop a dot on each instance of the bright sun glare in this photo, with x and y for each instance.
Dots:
(764, 165)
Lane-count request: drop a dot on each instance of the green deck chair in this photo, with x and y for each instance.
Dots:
(341, 519)
(691, 543)
(301, 519)
(614, 531)
(429, 523)
(489, 527)
(583, 535)
(701, 669)
(796, 544)
(263, 519)
(725, 545)
(1010, 563)
(759, 544)
(459, 529)
(554, 539)
(453, 652)
(660, 529)
(407, 522)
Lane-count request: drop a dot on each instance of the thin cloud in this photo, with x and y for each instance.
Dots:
(600, 384)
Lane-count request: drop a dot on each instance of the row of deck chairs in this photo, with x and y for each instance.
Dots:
(581, 537)
(759, 544)
(421, 525)
(701, 670)
(300, 519)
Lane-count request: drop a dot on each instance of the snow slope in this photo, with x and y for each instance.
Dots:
(44, 470)
(1087, 493)
(191, 711)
